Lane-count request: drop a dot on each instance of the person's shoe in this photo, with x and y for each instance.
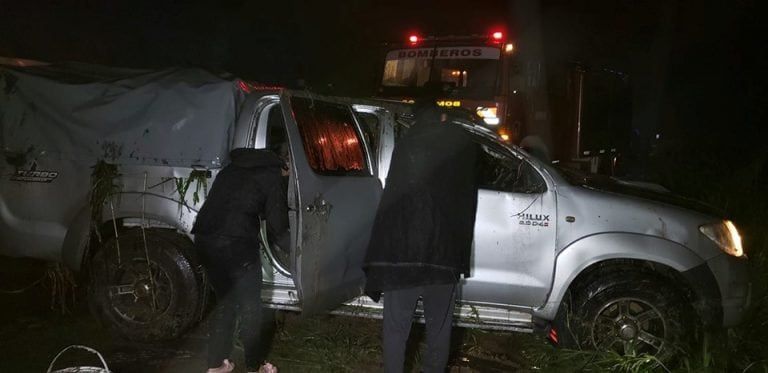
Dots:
(226, 367)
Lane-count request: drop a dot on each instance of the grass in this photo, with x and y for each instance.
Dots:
(349, 344)
(740, 349)
(355, 345)
(34, 327)
(346, 344)
(326, 344)
(737, 189)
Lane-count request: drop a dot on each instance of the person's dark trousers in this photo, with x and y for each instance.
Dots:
(399, 305)
(237, 284)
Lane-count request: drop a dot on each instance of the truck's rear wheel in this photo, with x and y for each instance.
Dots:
(141, 300)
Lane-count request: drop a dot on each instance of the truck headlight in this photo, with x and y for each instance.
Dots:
(725, 235)
(488, 114)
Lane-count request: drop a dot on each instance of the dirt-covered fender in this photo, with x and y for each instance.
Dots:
(76, 240)
(582, 253)
(158, 210)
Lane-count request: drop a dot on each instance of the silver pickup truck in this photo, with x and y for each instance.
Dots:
(105, 171)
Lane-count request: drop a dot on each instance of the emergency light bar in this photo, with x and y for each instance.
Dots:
(495, 37)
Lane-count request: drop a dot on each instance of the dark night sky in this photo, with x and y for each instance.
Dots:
(291, 39)
(268, 41)
(714, 43)
(697, 67)
(708, 81)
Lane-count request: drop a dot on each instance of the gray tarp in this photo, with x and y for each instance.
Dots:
(57, 122)
(83, 113)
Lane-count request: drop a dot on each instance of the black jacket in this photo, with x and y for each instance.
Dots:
(250, 187)
(423, 229)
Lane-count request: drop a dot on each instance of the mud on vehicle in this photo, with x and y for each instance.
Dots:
(595, 262)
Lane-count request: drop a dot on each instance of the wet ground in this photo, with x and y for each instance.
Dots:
(34, 328)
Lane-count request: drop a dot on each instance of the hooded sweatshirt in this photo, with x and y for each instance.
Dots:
(248, 188)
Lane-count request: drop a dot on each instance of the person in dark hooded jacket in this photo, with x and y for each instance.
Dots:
(226, 232)
(422, 235)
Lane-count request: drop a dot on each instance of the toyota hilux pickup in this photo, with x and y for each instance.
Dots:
(104, 170)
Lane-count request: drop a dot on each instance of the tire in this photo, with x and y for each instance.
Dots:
(627, 313)
(126, 300)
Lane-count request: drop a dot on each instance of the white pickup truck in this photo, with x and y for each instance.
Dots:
(104, 170)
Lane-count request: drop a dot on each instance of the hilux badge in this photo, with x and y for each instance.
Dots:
(534, 220)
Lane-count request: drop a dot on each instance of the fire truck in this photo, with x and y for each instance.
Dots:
(589, 106)
(472, 70)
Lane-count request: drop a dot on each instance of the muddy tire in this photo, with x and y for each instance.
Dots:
(144, 302)
(630, 314)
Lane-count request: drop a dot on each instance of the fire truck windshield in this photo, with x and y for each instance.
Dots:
(469, 72)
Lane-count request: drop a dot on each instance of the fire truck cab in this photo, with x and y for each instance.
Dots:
(586, 120)
(472, 71)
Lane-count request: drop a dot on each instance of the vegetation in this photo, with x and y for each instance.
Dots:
(104, 184)
(200, 178)
(699, 168)
(347, 344)
(736, 189)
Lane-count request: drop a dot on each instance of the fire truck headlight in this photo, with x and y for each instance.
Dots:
(489, 115)
(725, 235)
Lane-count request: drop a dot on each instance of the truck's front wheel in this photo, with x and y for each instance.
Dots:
(145, 292)
(628, 313)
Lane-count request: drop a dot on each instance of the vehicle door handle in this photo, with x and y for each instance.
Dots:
(319, 206)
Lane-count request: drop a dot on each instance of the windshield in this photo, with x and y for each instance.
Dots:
(470, 72)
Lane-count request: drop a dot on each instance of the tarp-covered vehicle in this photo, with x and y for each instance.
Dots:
(105, 170)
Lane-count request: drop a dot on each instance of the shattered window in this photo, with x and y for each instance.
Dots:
(331, 141)
(502, 172)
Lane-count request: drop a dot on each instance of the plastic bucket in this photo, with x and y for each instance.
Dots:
(83, 369)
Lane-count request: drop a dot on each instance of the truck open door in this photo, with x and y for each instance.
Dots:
(337, 193)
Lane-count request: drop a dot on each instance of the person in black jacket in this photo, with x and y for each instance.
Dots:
(227, 239)
(422, 234)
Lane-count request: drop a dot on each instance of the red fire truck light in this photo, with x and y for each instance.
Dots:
(413, 39)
